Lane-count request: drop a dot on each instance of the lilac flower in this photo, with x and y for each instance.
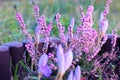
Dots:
(43, 68)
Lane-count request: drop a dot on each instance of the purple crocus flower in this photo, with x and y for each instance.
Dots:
(70, 76)
(63, 60)
(68, 59)
(43, 68)
(76, 75)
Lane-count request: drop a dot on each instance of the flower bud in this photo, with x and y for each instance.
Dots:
(77, 73)
(61, 60)
(68, 59)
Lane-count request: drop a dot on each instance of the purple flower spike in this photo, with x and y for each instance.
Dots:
(43, 67)
(36, 11)
(70, 28)
(90, 10)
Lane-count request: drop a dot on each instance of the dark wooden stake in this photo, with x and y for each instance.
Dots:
(5, 73)
(16, 52)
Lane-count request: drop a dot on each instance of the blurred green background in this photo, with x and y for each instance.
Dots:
(10, 29)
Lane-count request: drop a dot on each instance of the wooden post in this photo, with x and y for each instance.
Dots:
(5, 73)
(16, 52)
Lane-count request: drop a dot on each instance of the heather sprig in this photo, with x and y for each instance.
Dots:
(106, 10)
(30, 47)
(103, 22)
(61, 28)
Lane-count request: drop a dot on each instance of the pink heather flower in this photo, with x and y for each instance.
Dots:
(49, 28)
(90, 10)
(43, 67)
(42, 23)
(68, 59)
(70, 28)
(61, 28)
(61, 60)
(88, 18)
(30, 49)
(36, 11)
(57, 17)
(70, 76)
(106, 11)
(85, 34)
(114, 38)
(82, 13)
(21, 22)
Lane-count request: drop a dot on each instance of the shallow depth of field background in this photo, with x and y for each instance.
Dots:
(10, 29)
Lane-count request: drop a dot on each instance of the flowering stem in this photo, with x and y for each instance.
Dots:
(59, 76)
(99, 37)
(39, 76)
(32, 65)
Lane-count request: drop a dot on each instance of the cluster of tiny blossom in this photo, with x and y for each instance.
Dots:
(30, 47)
(106, 11)
(87, 35)
(61, 28)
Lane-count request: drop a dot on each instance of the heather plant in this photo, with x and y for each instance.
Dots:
(69, 48)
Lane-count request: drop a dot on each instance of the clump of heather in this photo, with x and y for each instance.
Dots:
(61, 57)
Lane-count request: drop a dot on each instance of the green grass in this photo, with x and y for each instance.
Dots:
(10, 29)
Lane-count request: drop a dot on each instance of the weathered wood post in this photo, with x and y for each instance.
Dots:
(5, 73)
(16, 52)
